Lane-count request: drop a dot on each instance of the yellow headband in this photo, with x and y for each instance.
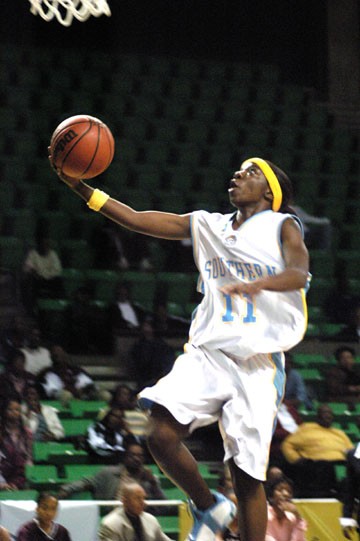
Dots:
(271, 178)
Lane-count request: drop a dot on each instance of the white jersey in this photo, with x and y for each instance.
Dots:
(274, 321)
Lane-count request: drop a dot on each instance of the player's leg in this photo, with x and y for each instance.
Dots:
(165, 441)
(252, 507)
(211, 512)
(247, 423)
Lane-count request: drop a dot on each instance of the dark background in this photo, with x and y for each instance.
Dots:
(290, 33)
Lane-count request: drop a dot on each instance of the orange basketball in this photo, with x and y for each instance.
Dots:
(82, 146)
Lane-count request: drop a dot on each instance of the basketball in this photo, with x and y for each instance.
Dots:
(82, 146)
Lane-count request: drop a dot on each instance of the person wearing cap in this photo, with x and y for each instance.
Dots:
(253, 267)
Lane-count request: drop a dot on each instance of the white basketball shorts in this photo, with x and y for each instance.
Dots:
(205, 386)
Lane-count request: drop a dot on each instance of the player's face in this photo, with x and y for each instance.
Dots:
(248, 186)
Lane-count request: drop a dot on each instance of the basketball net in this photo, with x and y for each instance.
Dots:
(66, 10)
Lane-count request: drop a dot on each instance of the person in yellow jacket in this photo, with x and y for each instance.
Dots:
(311, 453)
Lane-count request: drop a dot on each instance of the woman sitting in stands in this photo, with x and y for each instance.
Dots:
(106, 439)
(42, 420)
(15, 446)
(284, 520)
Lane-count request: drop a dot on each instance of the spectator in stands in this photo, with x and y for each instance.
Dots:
(288, 421)
(311, 453)
(151, 357)
(295, 389)
(42, 420)
(63, 381)
(4, 534)
(15, 380)
(87, 329)
(124, 315)
(106, 439)
(351, 332)
(15, 446)
(350, 519)
(37, 356)
(109, 482)
(42, 273)
(343, 379)
(43, 527)
(284, 520)
(131, 521)
(125, 399)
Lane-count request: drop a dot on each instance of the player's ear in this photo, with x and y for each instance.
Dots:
(268, 195)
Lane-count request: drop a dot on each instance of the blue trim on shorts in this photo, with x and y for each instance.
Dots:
(279, 380)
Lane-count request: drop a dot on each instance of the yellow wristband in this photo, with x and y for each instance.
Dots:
(97, 200)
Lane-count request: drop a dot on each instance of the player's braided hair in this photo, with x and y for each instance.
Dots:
(286, 188)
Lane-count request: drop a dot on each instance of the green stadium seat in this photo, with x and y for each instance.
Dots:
(103, 283)
(329, 330)
(316, 314)
(175, 309)
(72, 280)
(322, 264)
(320, 290)
(339, 409)
(28, 494)
(170, 525)
(313, 330)
(61, 459)
(174, 493)
(310, 360)
(42, 477)
(179, 287)
(142, 286)
(41, 450)
(76, 472)
(86, 408)
(310, 374)
(76, 427)
(340, 472)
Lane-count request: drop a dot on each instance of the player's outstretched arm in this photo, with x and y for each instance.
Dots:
(164, 225)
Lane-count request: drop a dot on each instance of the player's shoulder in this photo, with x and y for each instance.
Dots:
(204, 216)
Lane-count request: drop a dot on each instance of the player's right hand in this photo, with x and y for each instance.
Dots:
(69, 181)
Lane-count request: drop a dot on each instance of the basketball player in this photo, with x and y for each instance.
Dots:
(253, 267)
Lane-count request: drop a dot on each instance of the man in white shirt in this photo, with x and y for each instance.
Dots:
(37, 357)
